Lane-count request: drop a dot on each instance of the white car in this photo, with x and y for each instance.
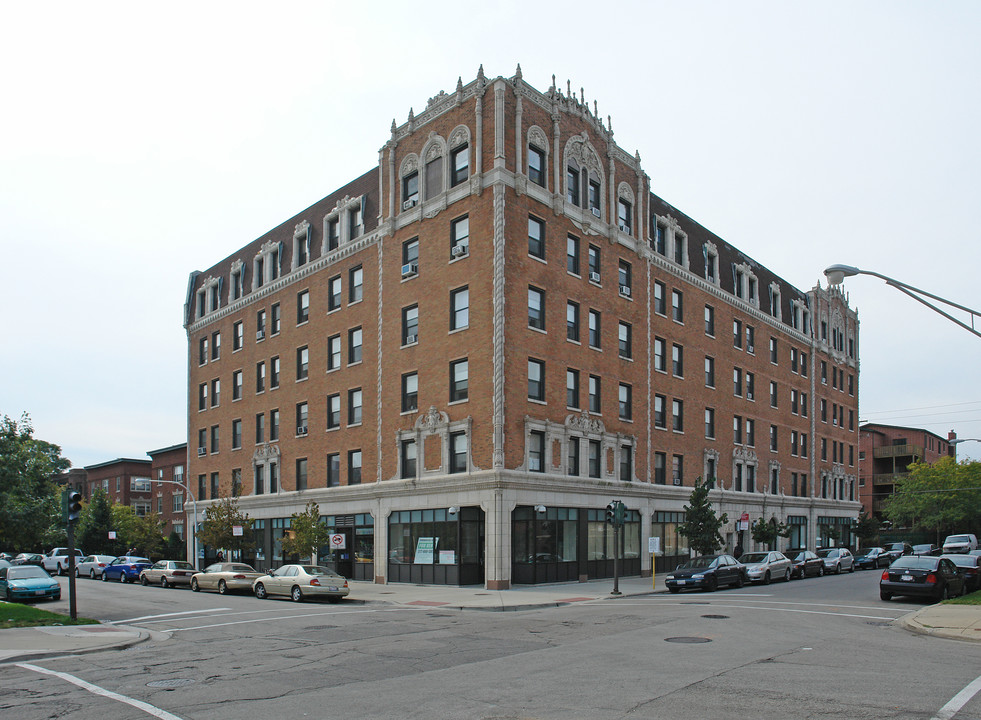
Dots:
(836, 560)
(56, 561)
(962, 544)
(92, 565)
(766, 566)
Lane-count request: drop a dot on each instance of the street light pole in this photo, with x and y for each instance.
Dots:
(837, 273)
(194, 528)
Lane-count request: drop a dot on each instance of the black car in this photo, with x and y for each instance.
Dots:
(707, 572)
(926, 549)
(922, 575)
(29, 559)
(804, 562)
(874, 558)
(970, 566)
(897, 549)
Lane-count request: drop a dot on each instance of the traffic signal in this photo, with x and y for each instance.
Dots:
(74, 505)
(621, 513)
(611, 512)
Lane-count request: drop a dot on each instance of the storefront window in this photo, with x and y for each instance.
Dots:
(545, 537)
(424, 537)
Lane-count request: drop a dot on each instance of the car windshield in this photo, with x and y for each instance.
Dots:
(915, 562)
(22, 573)
(827, 553)
(962, 560)
(181, 565)
(868, 552)
(922, 548)
(699, 562)
(239, 568)
(135, 560)
(957, 539)
(317, 570)
(747, 558)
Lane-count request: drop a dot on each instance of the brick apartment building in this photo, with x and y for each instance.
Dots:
(125, 480)
(465, 353)
(168, 495)
(885, 453)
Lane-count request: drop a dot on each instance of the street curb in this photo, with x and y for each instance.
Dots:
(143, 636)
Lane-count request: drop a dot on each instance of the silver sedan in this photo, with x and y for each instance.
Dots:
(225, 577)
(302, 581)
(763, 567)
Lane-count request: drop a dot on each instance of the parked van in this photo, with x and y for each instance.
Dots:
(962, 543)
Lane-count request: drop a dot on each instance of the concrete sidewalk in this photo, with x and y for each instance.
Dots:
(961, 622)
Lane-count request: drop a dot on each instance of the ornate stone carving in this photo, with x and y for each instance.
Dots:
(266, 451)
(625, 192)
(432, 420)
(434, 149)
(459, 136)
(537, 137)
(410, 164)
(585, 423)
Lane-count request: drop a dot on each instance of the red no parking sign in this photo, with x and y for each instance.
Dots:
(338, 541)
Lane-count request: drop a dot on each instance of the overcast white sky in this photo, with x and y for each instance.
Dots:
(140, 141)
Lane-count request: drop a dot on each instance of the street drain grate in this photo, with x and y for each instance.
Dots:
(716, 617)
(687, 640)
(176, 682)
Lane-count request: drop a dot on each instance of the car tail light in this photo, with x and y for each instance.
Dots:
(238, 577)
(885, 575)
(345, 583)
(102, 564)
(931, 579)
(315, 581)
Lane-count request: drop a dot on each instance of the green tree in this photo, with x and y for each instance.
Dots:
(867, 529)
(148, 536)
(767, 533)
(30, 495)
(701, 525)
(92, 535)
(942, 497)
(219, 519)
(176, 548)
(307, 534)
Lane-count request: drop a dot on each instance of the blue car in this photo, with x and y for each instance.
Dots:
(28, 582)
(125, 568)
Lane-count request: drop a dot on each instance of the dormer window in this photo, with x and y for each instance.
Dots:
(333, 234)
(680, 248)
(775, 307)
(354, 222)
(301, 245)
(266, 264)
(238, 280)
(711, 263)
(208, 297)
(659, 239)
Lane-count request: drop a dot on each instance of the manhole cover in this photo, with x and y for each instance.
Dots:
(176, 682)
(716, 617)
(689, 640)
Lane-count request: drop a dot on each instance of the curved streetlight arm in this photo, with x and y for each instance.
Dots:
(837, 273)
(194, 528)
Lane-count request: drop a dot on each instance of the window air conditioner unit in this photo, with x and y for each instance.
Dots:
(410, 203)
(202, 451)
(410, 269)
(677, 481)
(301, 430)
(624, 228)
(459, 250)
(260, 334)
(625, 290)
(749, 396)
(594, 276)
(596, 211)
(409, 339)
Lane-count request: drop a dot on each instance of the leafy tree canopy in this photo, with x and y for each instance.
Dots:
(217, 528)
(701, 525)
(307, 533)
(30, 502)
(867, 529)
(941, 497)
(766, 533)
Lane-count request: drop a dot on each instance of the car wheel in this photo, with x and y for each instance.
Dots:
(787, 575)
(260, 591)
(712, 585)
(944, 593)
(76, 572)
(674, 590)
(852, 568)
(838, 569)
(122, 577)
(163, 582)
(143, 581)
(222, 588)
(766, 578)
(296, 593)
(821, 571)
(740, 580)
(105, 576)
(91, 574)
(194, 585)
(10, 596)
(883, 595)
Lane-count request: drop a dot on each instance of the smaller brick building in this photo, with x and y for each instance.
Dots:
(885, 453)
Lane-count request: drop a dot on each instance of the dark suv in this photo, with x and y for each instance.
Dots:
(897, 549)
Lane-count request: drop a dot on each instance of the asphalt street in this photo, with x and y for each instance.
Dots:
(819, 648)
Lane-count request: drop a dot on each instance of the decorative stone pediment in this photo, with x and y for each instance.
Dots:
(585, 423)
(265, 452)
(432, 420)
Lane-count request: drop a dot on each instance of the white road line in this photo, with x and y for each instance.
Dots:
(768, 609)
(167, 615)
(96, 690)
(959, 700)
(283, 617)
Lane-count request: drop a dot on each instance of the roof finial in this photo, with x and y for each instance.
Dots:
(459, 84)
(568, 89)
(595, 109)
(517, 73)
(394, 126)
(582, 94)
(480, 72)
(553, 81)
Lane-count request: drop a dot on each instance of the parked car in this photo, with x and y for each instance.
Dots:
(168, 573)
(873, 557)
(926, 549)
(4, 563)
(974, 552)
(766, 566)
(970, 567)
(57, 560)
(707, 572)
(92, 565)
(897, 549)
(225, 577)
(28, 559)
(959, 544)
(125, 568)
(302, 581)
(28, 582)
(837, 559)
(6, 556)
(804, 563)
(922, 575)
